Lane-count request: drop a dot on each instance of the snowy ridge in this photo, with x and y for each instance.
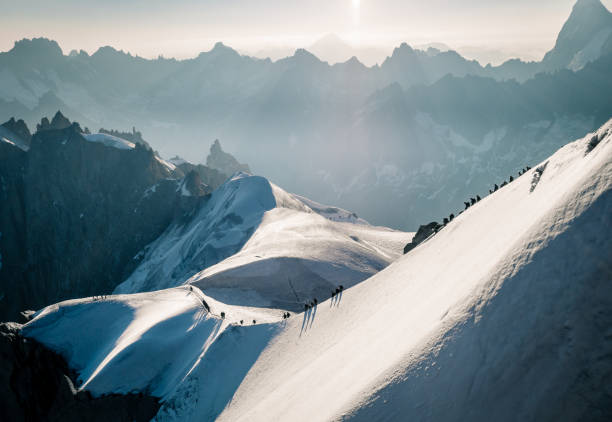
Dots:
(255, 244)
(220, 229)
(509, 298)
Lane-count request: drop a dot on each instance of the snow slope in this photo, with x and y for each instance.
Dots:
(255, 244)
(146, 342)
(497, 317)
(503, 315)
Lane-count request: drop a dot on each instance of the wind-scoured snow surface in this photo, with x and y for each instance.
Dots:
(505, 314)
(255, 244)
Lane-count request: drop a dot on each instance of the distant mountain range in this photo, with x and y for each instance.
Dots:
(413, 132)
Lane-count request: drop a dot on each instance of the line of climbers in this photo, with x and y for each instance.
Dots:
(425, 231)
(338, 290)
(310, 304)
(315, 302)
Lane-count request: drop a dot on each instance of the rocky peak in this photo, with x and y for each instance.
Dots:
(59, 121)
(586, 30)
(40, 49)
(305, 57)
(224, 162)
(19, 128)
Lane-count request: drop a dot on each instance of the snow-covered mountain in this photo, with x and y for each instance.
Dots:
(254, 244)
(502, 315)
(585, 37)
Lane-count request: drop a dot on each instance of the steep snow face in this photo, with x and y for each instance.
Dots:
(255, 244)
(503, 315)
(498, 316)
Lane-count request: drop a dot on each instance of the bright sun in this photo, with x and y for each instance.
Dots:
(356, 4)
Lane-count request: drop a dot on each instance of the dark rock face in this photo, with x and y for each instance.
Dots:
(74, 213)
(37, 385)
(224, 162)
(194, 185)
(211, 177)
(423, 233)
(19, 128)
(59, 121)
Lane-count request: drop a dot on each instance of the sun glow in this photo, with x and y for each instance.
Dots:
(356, 6)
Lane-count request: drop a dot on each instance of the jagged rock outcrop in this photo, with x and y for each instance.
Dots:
(585, 36)
(223, 161)
(36, 384)
(194, 186)
(211, 177)
(75, 213)
(19, 128)
(59, 121)
(423, 233)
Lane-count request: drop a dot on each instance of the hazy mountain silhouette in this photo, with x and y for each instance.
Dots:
(586, 36)
(334, 132)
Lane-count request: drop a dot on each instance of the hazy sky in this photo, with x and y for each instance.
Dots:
(182, 28)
